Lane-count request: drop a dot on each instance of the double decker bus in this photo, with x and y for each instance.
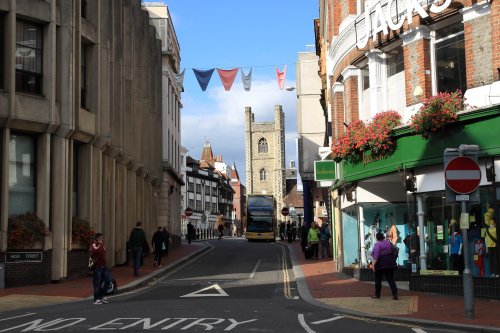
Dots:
(261, 217)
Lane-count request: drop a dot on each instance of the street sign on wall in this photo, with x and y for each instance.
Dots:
(324, 170)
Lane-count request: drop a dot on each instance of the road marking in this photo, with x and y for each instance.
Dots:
(254, 270)
(220, 292)
(418, 330)
(326, 320)
(304, 324)
(286, 279)
(24, 315)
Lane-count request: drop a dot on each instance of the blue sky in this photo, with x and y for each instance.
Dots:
(262, 34)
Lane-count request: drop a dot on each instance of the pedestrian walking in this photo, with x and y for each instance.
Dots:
(384, 264)
(190, 232)
(100, 276)
(166, 241)
(157, 243)
(220, 228)
(136, 242)
(313, 239)
(324, 239)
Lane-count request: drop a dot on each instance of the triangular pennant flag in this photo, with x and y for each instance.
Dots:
(247, 80)
(281, 77)
(179, 80)
(203, 77)
(227, 77)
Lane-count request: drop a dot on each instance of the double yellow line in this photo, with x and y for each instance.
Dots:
(286, 279)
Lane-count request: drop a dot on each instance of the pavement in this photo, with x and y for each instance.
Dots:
(318, 283)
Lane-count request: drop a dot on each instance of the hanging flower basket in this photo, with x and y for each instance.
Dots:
(25, 231)
(437, 112)
(351, 144)
(81, 233)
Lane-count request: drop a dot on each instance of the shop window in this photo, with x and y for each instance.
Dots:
(22, 169)
(2, 49)
(28, 57)
(450, 58)
(263, 175)
(350, 237)
(263, 149)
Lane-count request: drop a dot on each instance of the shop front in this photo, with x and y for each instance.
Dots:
(404, 197)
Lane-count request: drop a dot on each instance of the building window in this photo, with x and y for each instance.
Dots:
(263, 174)
(207, 190)
(395, 61)
(366, 77)
(208, 206)
(3, 48)
(191, 203)
(198, 188)
(214, 207)
(22, 181)
(84, 75)
(450, 58)
(263, 146)
(198, 205)
(83, 12)
(190, 187)
(28, 57)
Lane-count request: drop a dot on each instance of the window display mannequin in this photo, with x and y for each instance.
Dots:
(412, 243)
(479, 251)
(456, 242)
(393, 234)
(491, 242)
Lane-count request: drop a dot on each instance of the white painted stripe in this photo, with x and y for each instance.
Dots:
(463, 174)
(304, 324)
(418, 330)
(254, 270)
(24, 315)
(326, 320)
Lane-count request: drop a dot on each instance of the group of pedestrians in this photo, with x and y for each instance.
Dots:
(138, 245)
(317, 240)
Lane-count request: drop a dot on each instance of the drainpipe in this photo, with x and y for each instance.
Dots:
(362, 237)
(421, 236)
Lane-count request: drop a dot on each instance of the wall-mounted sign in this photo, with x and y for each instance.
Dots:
(324, 170)
(384, 19)
(23, 257)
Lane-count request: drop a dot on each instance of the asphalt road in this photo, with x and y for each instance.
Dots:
(237, 286)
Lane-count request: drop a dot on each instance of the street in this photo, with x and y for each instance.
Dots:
(235, 286)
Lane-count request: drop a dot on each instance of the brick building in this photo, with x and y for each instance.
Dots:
(392, 55)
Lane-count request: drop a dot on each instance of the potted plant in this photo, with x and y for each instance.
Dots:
(25, 231)
(81, 233)
(436, 112)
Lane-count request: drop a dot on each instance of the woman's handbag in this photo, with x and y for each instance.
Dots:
(91, 264)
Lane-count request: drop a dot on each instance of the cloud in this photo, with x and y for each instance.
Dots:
(219, 117)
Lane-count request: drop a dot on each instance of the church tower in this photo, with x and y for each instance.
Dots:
(265, 155)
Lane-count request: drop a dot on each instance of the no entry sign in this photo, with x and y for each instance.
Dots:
(462, 175)
(285, 211)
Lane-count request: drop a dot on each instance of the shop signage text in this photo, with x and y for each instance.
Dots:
(384, 21)
(23, 257)
(324, 170)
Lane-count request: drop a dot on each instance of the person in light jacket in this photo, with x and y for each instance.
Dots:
(313, 239)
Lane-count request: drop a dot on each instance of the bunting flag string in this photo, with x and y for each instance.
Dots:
(179, 80)
(247, 80)
(203, 77)
(227, 77)
(280, 76)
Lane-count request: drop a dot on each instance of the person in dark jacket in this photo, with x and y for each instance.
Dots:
(101, 272)
(384, 263)
(166, 241)
(157, 243)
(136, 241)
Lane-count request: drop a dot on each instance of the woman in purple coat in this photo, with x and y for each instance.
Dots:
(384, 264)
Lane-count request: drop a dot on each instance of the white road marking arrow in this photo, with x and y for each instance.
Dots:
(199, 293)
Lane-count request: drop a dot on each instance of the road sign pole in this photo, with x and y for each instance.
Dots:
(467, 274)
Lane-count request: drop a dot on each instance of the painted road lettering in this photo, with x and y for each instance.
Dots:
(206, 324)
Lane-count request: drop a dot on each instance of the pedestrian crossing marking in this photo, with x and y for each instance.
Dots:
(199, 293)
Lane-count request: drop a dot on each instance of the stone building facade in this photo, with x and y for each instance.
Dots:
(80, 126)
(170, 194)
(265, 155)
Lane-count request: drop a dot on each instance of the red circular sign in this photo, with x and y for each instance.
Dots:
(285, 211)
(188, 212)
(462, 175)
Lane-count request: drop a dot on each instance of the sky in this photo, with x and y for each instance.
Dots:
(258, 34)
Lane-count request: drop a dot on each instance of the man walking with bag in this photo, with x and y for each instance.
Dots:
(136, 242)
